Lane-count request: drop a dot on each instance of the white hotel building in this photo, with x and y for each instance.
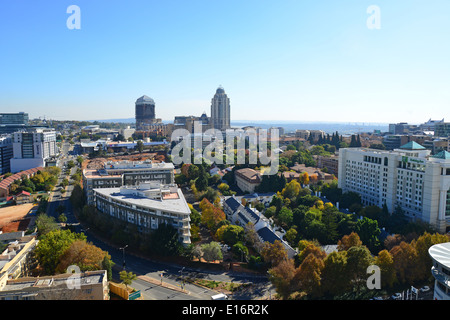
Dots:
(147, 205)
(408, 177)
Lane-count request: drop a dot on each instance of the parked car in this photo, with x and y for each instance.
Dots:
(396, 296)
(425, 289)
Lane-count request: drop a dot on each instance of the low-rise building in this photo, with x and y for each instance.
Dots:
(247, 179)
(15, 258)
(241, 215)
(89, 285)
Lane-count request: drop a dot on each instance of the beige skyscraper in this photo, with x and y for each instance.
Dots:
(220, 110)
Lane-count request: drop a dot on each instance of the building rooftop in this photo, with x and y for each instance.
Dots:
(171, 200)
(442, 155)
(250, 174)
(441, 253)
(412, 145)
(145, 100)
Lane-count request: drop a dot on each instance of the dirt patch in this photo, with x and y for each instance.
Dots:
(14, 213)
(14, 226)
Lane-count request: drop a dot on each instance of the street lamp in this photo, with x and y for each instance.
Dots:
(123, 249)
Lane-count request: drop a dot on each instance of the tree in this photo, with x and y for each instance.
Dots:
(45, 224)
(62, 218)
(211, 215)
(368, 231)
(334, 281)
(240, 250)
(405, 262)
(52, 246)
(291, 190)
(212, 251)
(127, 277)
(385, 262)
(281, 276)
(359, 259)
(233, 234)
(84, 255)
(308, 275)
(348, 241)
(164, 241)
(139, 146)
(274, 253)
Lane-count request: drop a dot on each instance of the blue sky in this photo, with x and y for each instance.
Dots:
(277, 60)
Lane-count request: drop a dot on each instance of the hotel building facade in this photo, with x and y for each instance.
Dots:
(408, 177)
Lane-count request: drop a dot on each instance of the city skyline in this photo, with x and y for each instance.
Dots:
(278, 61)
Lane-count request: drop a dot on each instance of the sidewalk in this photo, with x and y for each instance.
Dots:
(163, 284)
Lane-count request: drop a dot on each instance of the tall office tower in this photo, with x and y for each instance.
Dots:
(145, 112)
(32, 148)
(220, 110)
(6, 153)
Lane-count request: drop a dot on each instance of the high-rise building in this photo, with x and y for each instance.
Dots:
(407, 177)
(220, 110)
(32, 148)
(6, 153)
(145, 112)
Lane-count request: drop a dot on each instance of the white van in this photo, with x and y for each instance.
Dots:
(219, 296)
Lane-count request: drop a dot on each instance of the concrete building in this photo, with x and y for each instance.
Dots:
(442, 129)
(247, 179)
(15, 259)
(408, 177)
(440, 255)
(147, 205)
(6, 153)
(90, 285)
(220, 110)
(32, 148)
(329, 162)
(189, 123)
(115, 174)
(305, 134)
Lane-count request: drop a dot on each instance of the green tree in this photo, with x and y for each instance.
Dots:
(212, 251)
(127, 277)
(140, 146)
(45, 224)
(52, 246)
(233, 234)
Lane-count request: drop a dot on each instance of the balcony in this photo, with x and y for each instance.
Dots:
(441, 277)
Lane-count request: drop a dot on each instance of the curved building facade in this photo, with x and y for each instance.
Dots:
(145, 112)
(440, 255)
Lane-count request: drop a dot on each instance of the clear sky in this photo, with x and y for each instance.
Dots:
(300, 60)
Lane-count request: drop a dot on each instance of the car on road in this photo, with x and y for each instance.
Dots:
(425, 289)
(396, 296)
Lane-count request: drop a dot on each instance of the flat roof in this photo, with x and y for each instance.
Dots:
(167, 204)
(441, 253)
